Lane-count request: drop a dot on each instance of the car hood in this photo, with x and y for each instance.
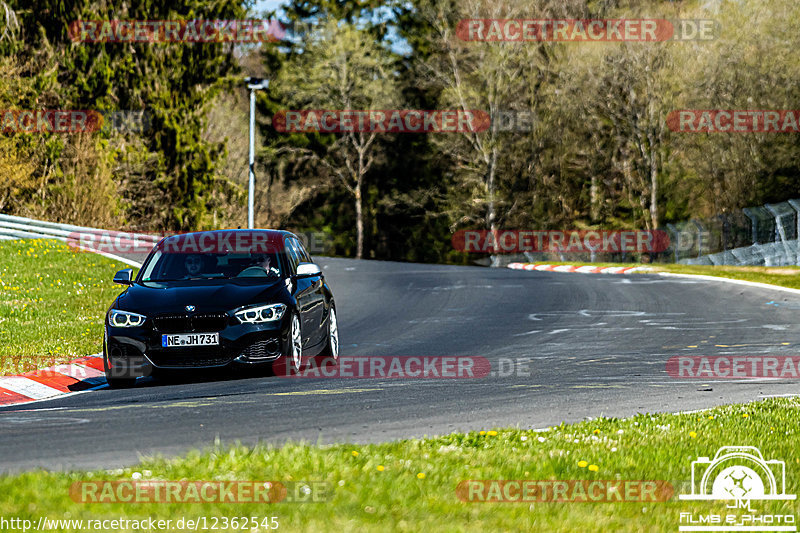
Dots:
(205, 296)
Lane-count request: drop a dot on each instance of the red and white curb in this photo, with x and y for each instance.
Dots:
(55, 381)
(581, 269)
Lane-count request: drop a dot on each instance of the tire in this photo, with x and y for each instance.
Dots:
(116, 382)
(293, 359)
(331, 350)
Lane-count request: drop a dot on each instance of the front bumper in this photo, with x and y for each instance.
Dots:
(139, 350)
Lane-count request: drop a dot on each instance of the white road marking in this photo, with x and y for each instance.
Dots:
(28, 387)
(526, 333)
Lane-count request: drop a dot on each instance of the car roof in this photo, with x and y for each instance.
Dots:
(273, 235)
(273, 232)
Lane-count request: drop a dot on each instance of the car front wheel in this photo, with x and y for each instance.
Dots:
(332, 347)
(296, 345)
(116, 376)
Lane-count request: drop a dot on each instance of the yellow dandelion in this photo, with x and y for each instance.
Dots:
(491, 433)
(421, 475)
(745, 415)
(583, 464)
(482, 433)
(692, 434)
(355, 453)
(380, 468)
(594, 468)
(596, 431)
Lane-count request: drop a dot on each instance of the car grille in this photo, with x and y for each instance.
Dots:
(209, 322)
(201, 322)
(263, 349)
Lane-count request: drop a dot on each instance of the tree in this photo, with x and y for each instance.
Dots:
(629, 95)
(341, 67)
(497, 78)
(174, 82)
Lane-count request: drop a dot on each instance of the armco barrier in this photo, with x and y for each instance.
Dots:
(29, 228)
(15, 227)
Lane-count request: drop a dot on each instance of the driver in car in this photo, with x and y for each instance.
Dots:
(266, 263)
(261, 263)
(193, 264)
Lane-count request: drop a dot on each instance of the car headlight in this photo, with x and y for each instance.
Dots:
(261, 314)
(125, 319)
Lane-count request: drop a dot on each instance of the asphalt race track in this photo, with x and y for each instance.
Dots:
(594, 344)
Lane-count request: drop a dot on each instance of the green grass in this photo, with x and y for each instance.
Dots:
(410, 485)
(52, 303)
(784, 276)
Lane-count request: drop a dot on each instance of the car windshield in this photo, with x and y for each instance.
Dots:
(182, 266)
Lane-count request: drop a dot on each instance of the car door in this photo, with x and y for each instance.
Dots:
(303, 292)
(317, 312)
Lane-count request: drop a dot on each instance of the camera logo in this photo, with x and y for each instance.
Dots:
(738, 473)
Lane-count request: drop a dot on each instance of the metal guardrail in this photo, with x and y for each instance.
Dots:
(767, 235)
(29, 228)
(15, 227)
(90, 239)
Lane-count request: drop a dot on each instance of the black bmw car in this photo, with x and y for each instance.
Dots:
(217, 299)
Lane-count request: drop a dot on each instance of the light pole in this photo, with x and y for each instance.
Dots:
(254, 84)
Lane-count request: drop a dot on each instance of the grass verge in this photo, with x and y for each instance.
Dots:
(788, 276)
(411, 485)
(52, 303)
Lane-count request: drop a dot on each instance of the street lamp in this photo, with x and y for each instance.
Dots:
(254, 84)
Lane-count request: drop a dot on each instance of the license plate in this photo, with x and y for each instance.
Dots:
(190, 339)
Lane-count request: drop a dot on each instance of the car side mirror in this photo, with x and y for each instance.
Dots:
(307, 270)
(124, 277)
